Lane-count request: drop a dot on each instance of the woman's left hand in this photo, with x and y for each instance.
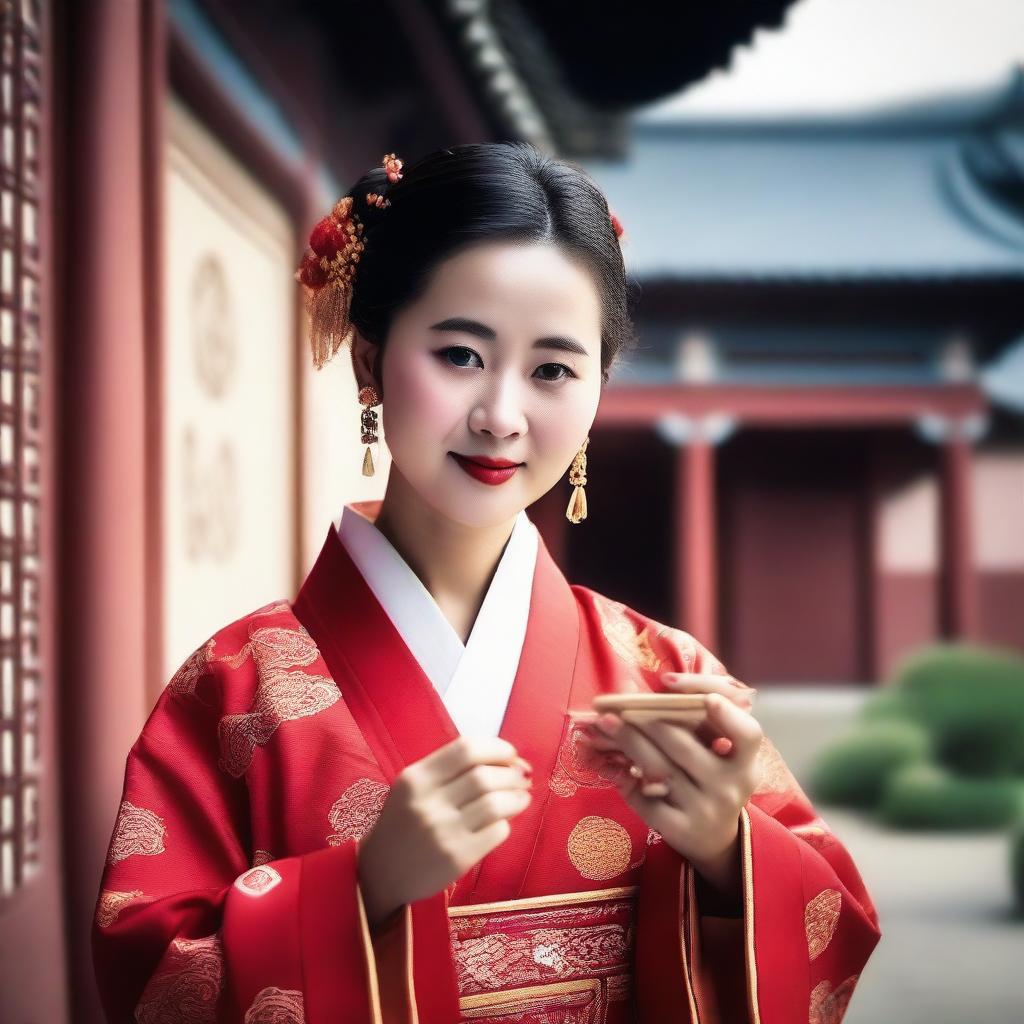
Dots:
(703, 793)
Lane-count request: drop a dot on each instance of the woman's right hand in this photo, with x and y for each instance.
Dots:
(444, 813)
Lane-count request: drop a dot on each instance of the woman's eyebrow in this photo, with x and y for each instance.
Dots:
(466, 326)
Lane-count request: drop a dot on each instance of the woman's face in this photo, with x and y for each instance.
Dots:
(471, 369)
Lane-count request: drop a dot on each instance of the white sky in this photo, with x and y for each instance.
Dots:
(833, 56)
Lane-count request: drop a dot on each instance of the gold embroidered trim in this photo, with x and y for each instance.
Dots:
(550, 957)
(620, 987)
(748, 917)
(687, 916)
(370, 960)
(410, 985)
(568, 899)
(522, 997)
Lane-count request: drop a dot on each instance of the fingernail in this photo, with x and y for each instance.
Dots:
(524, 764)
(610, 723)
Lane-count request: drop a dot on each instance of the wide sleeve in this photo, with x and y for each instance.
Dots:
(191, 925)
(796, 947)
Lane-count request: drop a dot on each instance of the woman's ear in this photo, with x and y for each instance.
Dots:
(364, 362)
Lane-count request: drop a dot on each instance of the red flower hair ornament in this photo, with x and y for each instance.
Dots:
(328, 268)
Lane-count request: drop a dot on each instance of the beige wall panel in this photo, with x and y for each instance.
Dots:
(229, 445)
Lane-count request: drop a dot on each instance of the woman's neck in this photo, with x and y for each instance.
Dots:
(455, 562)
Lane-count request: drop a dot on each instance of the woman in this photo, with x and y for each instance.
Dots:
(371, 803)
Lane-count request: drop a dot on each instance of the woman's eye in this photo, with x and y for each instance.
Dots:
(462, 353)
(444, 353)
(566, 372)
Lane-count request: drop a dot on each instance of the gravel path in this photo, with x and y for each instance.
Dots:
(952, 949)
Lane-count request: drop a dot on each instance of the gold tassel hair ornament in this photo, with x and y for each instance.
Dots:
(577, 510)
(328, 269)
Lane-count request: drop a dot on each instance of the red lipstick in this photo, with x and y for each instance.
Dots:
(487, 470)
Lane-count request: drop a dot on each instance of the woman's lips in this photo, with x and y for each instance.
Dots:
(484, 474)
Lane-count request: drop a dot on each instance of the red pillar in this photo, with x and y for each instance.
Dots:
(959, 593)
(103, 458)
(695, 559)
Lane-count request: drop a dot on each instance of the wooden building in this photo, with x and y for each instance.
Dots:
(815, 460)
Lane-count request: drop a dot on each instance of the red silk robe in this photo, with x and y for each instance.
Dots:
(230, 889)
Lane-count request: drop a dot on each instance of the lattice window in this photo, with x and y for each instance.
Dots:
(20, 396)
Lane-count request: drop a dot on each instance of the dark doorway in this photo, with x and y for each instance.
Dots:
(794, 556)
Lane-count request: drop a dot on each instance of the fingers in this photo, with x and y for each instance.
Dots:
(681, 748)
(736, 725)
(493, 806)
(703, 682)
(483, 778)
(637, 746)
(451, 760)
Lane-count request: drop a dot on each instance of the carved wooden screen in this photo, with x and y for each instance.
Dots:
(20, 398)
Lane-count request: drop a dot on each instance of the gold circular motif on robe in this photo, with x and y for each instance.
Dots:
(599, 847)
(820, 918)
(828, 1006)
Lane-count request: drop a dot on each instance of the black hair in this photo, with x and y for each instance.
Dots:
(480, 192)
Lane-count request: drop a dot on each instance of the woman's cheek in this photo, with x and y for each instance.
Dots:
(571, 416)
(420, 406)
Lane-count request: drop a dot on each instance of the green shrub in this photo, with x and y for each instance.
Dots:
(853, 772)
(971, 701)
(885, 704)
(1017, 865)
(926, 796)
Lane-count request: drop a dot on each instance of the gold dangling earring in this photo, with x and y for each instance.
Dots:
(368, 396)
(577, 509)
